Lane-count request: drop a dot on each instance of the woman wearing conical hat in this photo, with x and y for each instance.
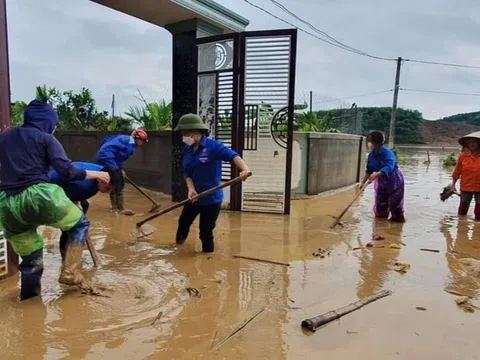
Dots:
(467, 170)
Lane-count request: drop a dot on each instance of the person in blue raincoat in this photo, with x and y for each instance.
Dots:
(113, 152)
(79, 192)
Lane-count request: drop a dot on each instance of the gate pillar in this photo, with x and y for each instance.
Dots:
(184, 89)
(8, 259)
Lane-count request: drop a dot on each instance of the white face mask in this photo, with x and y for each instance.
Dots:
(188, 140)
(370, 146)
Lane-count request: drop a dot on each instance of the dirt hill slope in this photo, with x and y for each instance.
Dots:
(442, 132)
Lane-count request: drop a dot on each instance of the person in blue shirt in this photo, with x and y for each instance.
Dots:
(382, 168)
(114, 151)
(202, 165)
(28, 199)
(79, 191)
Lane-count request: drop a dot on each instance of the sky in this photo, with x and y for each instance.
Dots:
(72, 44)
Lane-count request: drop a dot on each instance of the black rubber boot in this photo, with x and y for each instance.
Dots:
(31, 270)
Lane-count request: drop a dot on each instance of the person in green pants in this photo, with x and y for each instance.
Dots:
(28, 199)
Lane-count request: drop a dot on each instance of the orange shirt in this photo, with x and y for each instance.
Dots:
(468, 171)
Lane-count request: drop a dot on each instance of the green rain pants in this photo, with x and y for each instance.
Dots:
(41, 204)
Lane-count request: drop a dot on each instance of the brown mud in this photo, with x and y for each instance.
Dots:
(146, 282)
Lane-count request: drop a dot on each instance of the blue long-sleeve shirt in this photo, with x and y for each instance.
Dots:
(204, 167)
(80, 189)
(27, 153)
(382, 161)
(114, 151)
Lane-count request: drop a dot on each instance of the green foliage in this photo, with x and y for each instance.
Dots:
(407, 126)
(152, 116)
(17, 110)
(310, 122)
(450, 160)
(472, 118)
(400, 158)
(76, 111)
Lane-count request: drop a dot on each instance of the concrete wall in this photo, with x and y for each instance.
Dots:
(328, 161)
(150, 166)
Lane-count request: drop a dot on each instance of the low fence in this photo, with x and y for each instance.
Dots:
(326, 161)
(150, 166)
(321, 161)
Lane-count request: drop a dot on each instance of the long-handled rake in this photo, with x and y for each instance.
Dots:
(155, 205)
(139, 232)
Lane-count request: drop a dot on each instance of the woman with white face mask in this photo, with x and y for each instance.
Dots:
(202, 165)
(382, 168)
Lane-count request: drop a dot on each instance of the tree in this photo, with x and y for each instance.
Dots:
(310, 122)
(17, 110)
(152, 116)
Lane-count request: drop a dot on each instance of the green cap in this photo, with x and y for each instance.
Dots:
(191, 122)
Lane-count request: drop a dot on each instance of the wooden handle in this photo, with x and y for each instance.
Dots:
(362, 189)
(93, 252)
(186, 201)
(140, 190)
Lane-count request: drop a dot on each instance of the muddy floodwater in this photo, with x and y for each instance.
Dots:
(137, 281)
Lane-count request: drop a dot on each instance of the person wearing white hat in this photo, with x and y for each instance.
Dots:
(467, 170)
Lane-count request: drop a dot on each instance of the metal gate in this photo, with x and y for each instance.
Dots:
(3, 256)
(246, 96)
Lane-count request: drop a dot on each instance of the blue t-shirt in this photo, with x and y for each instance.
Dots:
(383, 161)
(204, 167)
(77, 190)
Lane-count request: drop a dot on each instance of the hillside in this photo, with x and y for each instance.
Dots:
(412, 128)
(472, 118)
(443, 132)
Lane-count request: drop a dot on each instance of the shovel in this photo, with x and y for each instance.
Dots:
(187, 201)
(155, 205)
(360, 192)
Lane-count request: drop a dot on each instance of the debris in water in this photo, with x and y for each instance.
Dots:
(158, 317)
(454, 292)
(401, 267)
(215, 281)
(88, 289)
(421, 308)
(238, 329)
(314, 323)
(394, 246)
(193, 292)
(430, 250)
(465, 303)
(323, 252)
(377, 237)
(262, 260)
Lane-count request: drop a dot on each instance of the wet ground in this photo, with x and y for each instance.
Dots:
(139, 280)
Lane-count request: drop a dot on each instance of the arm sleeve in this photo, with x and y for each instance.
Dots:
(457, 172)
(187, 172)
(224, 153)
(107, 152)
(390, 161)
(369, 169)
(61, 163)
